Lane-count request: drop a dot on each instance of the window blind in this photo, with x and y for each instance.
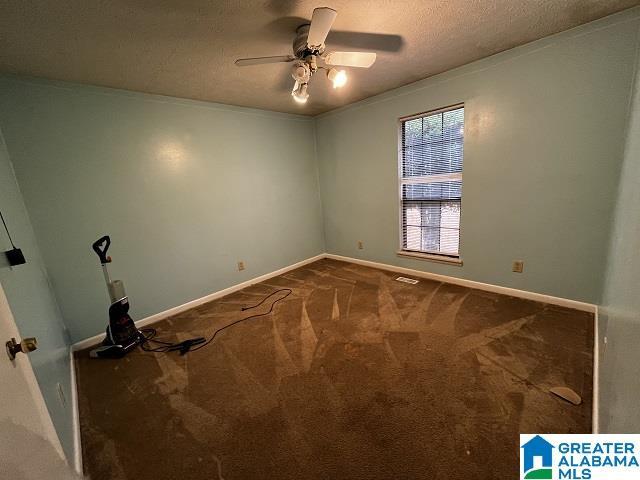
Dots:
(431, 154)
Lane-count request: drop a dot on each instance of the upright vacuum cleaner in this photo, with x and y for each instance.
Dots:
(122, 336)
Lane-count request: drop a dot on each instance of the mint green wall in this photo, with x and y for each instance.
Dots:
(33, 305)
(184, 188)
(620, 309)
(544, 126)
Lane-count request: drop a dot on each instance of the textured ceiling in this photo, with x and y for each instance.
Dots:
(186, 48)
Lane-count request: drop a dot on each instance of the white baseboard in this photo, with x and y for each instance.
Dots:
(91, 341)
(539, 297)
(512, 292)
(75, 412)
(595, 414)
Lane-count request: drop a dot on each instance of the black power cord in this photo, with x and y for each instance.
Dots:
(15, 255)
(7, 229)
(148, 335)
(194, 344)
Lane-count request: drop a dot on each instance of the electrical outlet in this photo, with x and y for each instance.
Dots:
(518, 266)
(240, 265)
(360, 245)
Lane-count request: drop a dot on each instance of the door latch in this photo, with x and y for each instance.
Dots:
(25, 346)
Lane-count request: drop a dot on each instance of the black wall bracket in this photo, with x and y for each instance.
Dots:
(15, 257)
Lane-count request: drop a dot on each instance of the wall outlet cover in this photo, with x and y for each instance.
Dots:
(61, 396)
(518, 266)
(240, 266)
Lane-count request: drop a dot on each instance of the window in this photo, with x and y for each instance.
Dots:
(431, 147)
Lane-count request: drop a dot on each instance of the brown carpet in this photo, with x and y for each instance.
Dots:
(354, 376)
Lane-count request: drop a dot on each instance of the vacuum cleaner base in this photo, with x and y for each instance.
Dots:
(122, 336)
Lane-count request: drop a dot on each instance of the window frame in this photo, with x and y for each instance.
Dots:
(427, 255)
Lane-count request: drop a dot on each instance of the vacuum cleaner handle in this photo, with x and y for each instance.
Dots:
(101, 246)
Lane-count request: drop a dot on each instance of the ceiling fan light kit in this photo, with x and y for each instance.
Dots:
(309, 55)
(299, 93)
(337, 77)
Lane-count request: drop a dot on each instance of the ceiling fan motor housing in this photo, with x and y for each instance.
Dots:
(300, 47)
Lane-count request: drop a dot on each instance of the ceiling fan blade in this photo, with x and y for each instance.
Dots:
(321, 22)
(243, 62)
(350, 59)
(381, 42)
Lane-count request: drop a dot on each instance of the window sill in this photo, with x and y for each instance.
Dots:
(430, 257)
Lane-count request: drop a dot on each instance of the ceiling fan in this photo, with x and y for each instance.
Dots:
(309, 55)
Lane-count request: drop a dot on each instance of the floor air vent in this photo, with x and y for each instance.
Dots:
(412, 281)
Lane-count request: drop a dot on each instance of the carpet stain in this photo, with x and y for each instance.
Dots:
(353, 376)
